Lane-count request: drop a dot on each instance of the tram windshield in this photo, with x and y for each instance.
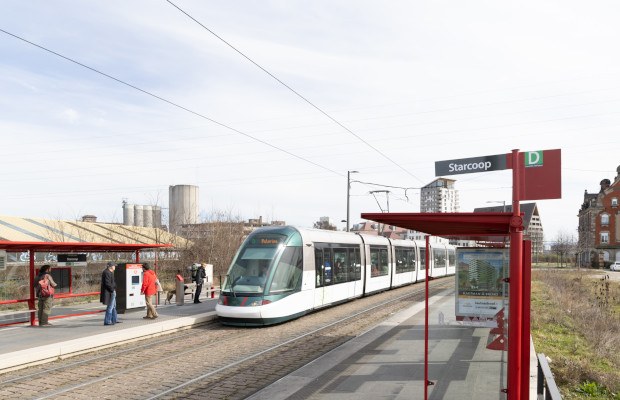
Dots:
(250, 270)
(251, 267)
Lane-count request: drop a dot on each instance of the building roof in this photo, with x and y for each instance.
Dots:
(33, 230)
(528, 210)
(76, 246)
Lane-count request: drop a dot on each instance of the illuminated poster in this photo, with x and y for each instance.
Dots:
(480, 287)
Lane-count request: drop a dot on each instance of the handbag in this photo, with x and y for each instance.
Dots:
(158, 285)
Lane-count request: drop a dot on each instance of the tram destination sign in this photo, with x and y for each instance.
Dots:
(471, 165)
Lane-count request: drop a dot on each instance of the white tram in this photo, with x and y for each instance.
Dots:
(281, 273)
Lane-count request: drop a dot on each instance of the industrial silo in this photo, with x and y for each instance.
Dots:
(156, 216)
(183, 205)
(128, 215)
(147, 219)
(138, 216)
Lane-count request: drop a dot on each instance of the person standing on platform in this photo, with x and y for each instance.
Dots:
(149, 288)
(108, 294)
(45, 299)
(201, 274)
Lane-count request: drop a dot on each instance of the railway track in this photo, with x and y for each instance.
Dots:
(211, 361)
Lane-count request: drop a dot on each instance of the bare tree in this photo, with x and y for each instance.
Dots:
(213, 241)
(324, 224)
(564, 246)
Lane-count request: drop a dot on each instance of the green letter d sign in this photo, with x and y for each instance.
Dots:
(533, 158)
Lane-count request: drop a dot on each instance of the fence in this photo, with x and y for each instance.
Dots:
(546, 388)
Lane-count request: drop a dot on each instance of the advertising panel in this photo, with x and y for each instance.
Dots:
(481, 290)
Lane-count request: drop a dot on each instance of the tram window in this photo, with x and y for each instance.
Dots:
(378, 261)
(439, 258)
(422, 259)
(405, 260)
(341, 262)
(356, 264)
(451, 258)
(328, 272)
(319, 266)
(288, 272)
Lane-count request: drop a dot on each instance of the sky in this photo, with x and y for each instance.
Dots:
(265, 105)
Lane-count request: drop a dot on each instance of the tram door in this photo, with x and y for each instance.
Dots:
(323, 274)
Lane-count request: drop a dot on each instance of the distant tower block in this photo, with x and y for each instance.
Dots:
(138, 216)
(128, 215)
(183, 205)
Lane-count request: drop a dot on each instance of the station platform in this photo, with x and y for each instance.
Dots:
(22, 344)
(387, 362)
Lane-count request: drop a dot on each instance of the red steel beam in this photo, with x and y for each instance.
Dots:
(516, 285)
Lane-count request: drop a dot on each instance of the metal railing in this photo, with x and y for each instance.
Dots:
(546, 388)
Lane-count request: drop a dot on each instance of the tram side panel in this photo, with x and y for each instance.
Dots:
(405, 262)
(439, 259)
(421, 270)
(377, 272)
(451, 260)
(338, 273)
(301, 300)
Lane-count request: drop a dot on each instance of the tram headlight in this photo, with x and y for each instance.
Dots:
(255, 303)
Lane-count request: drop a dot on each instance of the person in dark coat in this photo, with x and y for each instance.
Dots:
(201, 274)
(108, 294)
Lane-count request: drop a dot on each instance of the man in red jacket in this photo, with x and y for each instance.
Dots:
(149, 288)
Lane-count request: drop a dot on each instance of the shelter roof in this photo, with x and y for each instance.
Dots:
(473, 226)
(76, 246)
(35, 230)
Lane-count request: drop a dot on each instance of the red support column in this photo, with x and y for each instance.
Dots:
(137, 256)
(516, 284)
(525, 336)
(31, 300)
(427, 382)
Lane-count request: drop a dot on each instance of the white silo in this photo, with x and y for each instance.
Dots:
(128, 215)
(156, 216)
(138, 216)
(183, 205)
(148, 216)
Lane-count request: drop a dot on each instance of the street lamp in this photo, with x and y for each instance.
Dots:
(348, 194)
(499, 201)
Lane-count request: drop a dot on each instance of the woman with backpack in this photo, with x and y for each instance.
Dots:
(44, 290)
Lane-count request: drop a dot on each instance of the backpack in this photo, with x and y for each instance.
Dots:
(45, 290)
(194, 273)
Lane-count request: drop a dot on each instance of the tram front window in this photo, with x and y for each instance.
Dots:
(250, 271)
(288, 273)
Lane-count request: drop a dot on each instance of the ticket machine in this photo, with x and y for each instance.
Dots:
(128, 285)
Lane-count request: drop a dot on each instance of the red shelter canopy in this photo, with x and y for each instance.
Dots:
(474, 226)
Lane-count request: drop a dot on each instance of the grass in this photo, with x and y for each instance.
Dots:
(576, 323)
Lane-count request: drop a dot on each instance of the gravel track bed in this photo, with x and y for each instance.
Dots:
(210, 361)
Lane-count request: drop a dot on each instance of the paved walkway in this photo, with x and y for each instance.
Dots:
(387, 362)
(24, 344)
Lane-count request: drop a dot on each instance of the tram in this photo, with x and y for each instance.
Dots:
(282, 273)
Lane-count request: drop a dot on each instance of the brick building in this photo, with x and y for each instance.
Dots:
(599, 225)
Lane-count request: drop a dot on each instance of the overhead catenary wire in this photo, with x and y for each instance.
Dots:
(305, 99)
(170, 102)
